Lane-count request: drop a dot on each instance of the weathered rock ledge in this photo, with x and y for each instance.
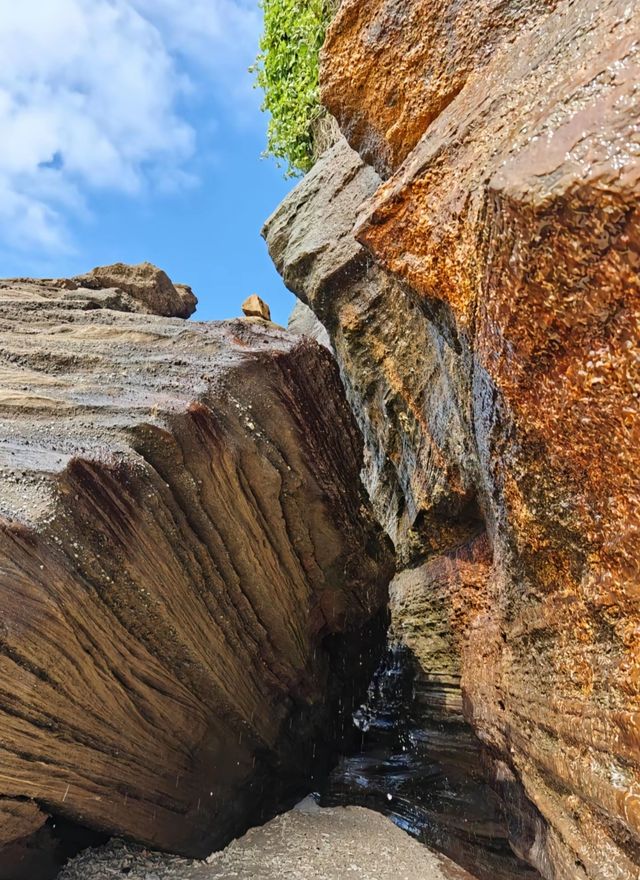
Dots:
(193, 587)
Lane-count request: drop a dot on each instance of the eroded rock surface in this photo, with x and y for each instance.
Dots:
(193, 585)
(150, 288)
(406, 384)
(304, 321)
(396, 368)
(392, 66)
(495, 369)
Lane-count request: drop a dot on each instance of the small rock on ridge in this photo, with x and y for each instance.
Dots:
(254, 307)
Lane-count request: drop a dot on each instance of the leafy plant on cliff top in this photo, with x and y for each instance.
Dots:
(287, 71)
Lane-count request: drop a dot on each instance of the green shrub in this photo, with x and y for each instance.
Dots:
(287, 71)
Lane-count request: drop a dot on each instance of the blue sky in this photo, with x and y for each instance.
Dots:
(131, 132)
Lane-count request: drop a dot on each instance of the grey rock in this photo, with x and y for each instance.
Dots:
(304, 321)
(405, 378)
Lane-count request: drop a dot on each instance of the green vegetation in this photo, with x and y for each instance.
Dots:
(287, 71)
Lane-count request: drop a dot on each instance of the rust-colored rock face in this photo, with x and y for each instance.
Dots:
(408, 387)
(500, 276)
(392, 66)
(519, 214)
(188, 567)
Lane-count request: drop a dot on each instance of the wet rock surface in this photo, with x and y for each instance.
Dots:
(392, 66)
(483, 304)
(419, 762)
(193, 586)
(306, 844)
(408, 389)
(401, 377)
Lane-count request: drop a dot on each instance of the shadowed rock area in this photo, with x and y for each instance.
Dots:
(483, 304)
(193, 586)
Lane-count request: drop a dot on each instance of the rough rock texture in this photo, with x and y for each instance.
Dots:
(254, 307)
(419, 762)
(399, 373)
(191, 578)
(501, 274)
(401, 379)
(392, 66)
(305, 322)
(149, 287)
(307, 843)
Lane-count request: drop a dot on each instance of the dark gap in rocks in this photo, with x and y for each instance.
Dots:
(42, 855)
(314, 741)
(420, 763)
(443, 528)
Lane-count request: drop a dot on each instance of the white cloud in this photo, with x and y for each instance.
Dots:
(90, 96)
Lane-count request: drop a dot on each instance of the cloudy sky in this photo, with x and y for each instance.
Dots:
(130, 132)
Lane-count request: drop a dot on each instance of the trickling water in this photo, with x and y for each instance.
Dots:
(420, 763)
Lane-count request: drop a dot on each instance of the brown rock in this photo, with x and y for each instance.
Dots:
(486, 218)
(390, 67)
(150, 288)
(305, 322)
(408, 388)
(501, 265)
(190, 574)
(254, 307)
(406, 385)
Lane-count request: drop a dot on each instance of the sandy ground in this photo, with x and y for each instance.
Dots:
(307, 843)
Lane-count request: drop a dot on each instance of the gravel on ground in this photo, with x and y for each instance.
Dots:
(307, 843)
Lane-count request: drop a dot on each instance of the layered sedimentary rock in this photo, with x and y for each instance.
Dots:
(405, 384)
(493, 286)
(193, 585)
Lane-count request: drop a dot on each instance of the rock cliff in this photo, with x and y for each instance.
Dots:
(483, 301)
(193, 587)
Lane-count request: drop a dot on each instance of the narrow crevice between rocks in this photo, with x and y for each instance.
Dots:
(43, 854)
(419, 762)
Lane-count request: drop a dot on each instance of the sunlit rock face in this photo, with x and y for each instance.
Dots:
(484, 310)
(192, 585)
(406, 384)
(392, 66)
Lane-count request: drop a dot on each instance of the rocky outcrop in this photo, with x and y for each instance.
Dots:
(146, 287)
(404, 382)
(402, 377)
(392, 66)
(193, 586)
(484, 308)
(254, 307)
